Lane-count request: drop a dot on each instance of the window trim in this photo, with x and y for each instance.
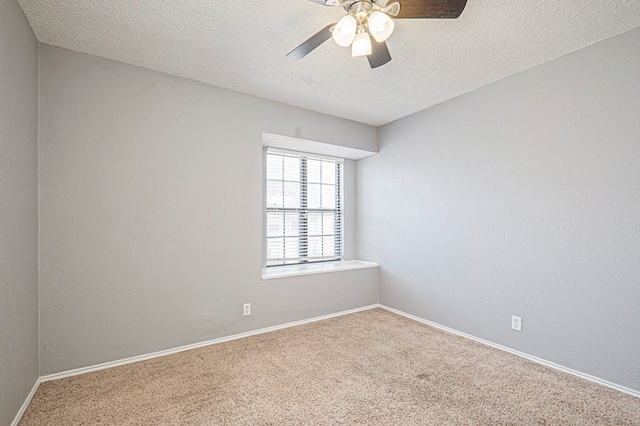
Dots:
(297, 270)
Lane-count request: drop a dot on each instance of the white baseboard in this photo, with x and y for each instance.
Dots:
(138, 358)
(26, 402)
(518, 353)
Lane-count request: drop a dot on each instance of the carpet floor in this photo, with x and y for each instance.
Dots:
(369, 368)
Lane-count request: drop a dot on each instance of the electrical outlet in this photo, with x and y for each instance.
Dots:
(246, 309)
(516, 323)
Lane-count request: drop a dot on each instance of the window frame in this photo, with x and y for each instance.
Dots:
(304, 209)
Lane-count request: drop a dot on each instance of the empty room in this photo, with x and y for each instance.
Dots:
(319, 212)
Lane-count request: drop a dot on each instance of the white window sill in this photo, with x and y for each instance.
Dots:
(316, 268)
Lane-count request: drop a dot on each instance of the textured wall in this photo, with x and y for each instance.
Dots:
(521, 198)
(151, 200)
(18, 209)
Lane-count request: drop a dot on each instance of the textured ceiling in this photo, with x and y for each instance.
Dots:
(241, 45)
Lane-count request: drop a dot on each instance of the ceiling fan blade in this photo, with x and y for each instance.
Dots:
(314, 41)
(436, 9)
(379, 54)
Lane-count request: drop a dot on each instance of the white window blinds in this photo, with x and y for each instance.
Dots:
(303, 208)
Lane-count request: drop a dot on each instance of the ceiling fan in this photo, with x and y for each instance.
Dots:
(367, 25)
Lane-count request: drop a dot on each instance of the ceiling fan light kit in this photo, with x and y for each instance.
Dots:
(363, 21)
(367, 25)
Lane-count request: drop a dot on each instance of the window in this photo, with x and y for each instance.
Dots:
(303, 208)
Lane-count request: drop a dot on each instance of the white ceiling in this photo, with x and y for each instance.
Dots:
(241, 45)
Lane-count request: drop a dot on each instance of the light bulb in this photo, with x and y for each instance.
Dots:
(345, 31)
(361, 45)
(380, 26)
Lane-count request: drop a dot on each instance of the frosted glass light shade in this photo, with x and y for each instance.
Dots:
(345, 31)
(361, 45)
(380, 26)
(392, 9)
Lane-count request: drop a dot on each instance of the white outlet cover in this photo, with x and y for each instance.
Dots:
(516, 323)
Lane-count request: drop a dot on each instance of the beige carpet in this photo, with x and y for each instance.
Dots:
(369, 368)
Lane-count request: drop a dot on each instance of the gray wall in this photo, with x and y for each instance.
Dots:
(520, 198)
(18, 209)
(151, 193)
